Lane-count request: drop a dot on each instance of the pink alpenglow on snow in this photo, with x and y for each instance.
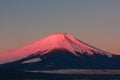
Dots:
(49, 43)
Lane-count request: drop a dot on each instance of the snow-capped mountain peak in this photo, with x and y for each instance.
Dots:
(49, 43)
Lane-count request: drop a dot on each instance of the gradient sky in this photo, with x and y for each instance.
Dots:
(96, 22)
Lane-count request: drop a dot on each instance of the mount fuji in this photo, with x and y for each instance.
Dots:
(58, 51)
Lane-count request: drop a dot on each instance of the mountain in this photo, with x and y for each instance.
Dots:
(58, 51)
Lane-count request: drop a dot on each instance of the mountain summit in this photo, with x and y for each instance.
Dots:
(52, 42)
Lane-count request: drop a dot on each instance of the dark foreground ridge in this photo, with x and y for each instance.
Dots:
(43, 76)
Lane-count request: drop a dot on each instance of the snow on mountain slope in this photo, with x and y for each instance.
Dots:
(45, 45)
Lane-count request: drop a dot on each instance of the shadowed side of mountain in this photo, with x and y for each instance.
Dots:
(63, 59)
